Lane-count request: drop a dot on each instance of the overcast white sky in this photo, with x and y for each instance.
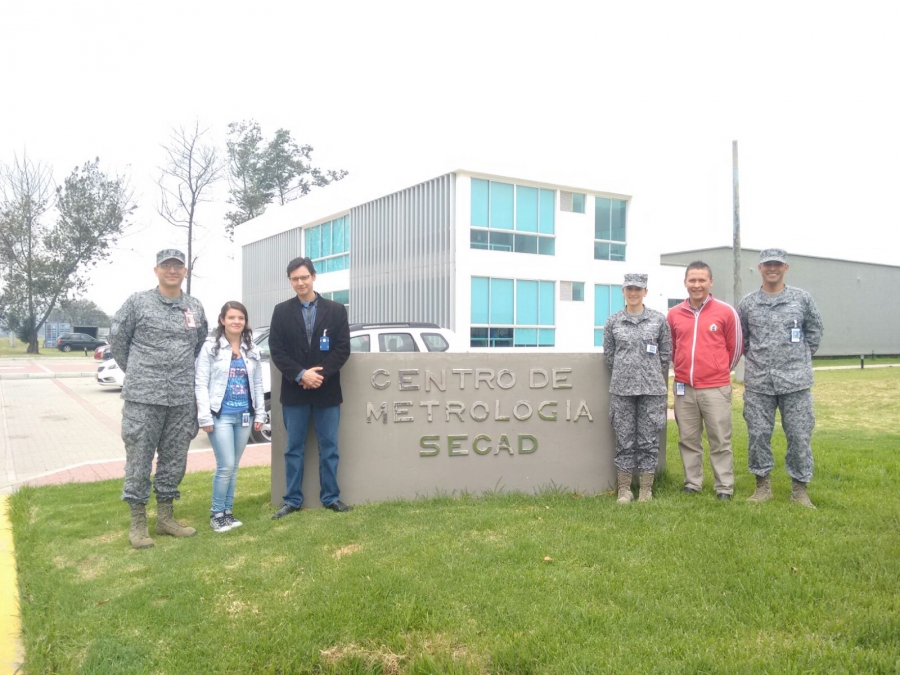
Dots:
(642, 98)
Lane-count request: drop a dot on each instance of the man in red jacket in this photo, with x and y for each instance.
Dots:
(707, 343)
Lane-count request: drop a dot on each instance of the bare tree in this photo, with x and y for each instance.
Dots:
(191, 168)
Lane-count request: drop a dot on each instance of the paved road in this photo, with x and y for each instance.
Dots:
(47, 424)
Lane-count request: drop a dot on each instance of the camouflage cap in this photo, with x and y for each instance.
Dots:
(639, 280)
(170, 254)
(772, 255)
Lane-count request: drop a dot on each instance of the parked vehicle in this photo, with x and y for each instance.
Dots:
(109, 374)
(371, 337)
(78, 341)
(102, 353)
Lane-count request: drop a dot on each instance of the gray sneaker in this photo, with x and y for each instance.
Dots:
(219, 523)
(231, 520)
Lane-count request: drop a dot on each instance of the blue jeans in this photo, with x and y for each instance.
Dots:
(228, 440)
(296, 421)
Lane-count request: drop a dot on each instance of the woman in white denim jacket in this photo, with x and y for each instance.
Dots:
(229, 390)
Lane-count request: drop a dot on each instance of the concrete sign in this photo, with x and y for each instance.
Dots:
(417, 424)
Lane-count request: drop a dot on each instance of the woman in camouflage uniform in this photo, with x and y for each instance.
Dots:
(638, 346)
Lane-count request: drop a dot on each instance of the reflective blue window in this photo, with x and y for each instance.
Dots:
(480, 300)
(609, 228)
(337, 236)
(480, 201)
(520, 218)
(326, 239)
(501, 206)
(548, 209)
(502, 311)
(513, 312)
(546, 317)
(527, 303)
(577, 202)
(607, 301)
(312, 243)
(526, 209)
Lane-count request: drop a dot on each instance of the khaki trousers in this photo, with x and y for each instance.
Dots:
(711, 408)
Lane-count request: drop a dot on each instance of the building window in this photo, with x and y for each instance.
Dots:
(342, 297)
(512, 313)
(609, 229)
(516, 218)
(607, 301)
(328, 245)
(571, 201)
(571, 291)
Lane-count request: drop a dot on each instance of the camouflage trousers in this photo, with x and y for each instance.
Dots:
(797, 420)
(165, 431)
(637, 421)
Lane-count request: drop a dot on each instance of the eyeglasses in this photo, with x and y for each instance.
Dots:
(177, 266)
(303, 278)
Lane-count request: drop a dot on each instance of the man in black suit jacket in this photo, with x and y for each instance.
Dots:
(309, 340)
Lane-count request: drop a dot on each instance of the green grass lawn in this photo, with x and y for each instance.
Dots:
(854, 361)
(504, 583)
(19, 351)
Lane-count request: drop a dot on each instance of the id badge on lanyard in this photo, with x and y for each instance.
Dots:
(796, 332)
(189, 320)
(325, 342)
(679, 388)
(245, 419)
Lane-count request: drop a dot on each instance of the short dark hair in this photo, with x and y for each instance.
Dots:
(301, 262)
(698, 265)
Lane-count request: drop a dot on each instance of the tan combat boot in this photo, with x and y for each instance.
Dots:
(138, 534)
(763, 490)
(166, 524)
(798, 494)
(625, 495)
(646, 493)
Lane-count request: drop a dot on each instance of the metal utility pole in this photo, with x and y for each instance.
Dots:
(737, 223)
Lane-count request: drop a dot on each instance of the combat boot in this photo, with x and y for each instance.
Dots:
(138, 534)
(798, 494)
(625, 495)
(646, 493)
(763, 490)
(166, 524)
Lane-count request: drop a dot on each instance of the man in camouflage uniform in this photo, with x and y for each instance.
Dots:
(155, 338)
(638, 346)
(782, 329)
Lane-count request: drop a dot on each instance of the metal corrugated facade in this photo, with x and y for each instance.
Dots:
(402, 260)
(402, 257)
(264, 274)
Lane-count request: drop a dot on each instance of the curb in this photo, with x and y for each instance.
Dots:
(44, 376)
(12, 653)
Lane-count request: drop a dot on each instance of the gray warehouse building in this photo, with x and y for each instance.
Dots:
(859, 301)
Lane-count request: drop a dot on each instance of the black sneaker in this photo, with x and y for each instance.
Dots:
(231, 520)
(218, 522)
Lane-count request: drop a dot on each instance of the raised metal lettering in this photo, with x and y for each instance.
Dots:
(404, 379)
(533, 377)
(372, 413)
(401, 411)
(560, 378)
(429, 405)
(503, 444)
(551, 417)
(455, 408)
(454, 447)
(429, 380)
(527, 437)
(483, 406)
(485, 375)
(525, 416)
(429, 445)
(462, 372)
(497, 416)
(583, 411)
(512, 379)
(478, 450)
(381, 371)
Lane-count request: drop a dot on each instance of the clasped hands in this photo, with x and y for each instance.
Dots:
(311, 378)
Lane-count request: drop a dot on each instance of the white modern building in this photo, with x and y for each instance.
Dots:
(507, 263)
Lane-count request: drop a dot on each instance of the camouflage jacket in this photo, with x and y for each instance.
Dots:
(152, 341)
(774, 364)
(636, 371)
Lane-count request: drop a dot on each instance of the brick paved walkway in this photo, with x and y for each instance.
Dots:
(198, 460)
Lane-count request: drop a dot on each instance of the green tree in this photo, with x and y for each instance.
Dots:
(41, 264)
(80, 312)
(190, 170)
(261, 172)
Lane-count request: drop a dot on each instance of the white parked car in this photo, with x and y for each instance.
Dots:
(366, 337)
(110, 374)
